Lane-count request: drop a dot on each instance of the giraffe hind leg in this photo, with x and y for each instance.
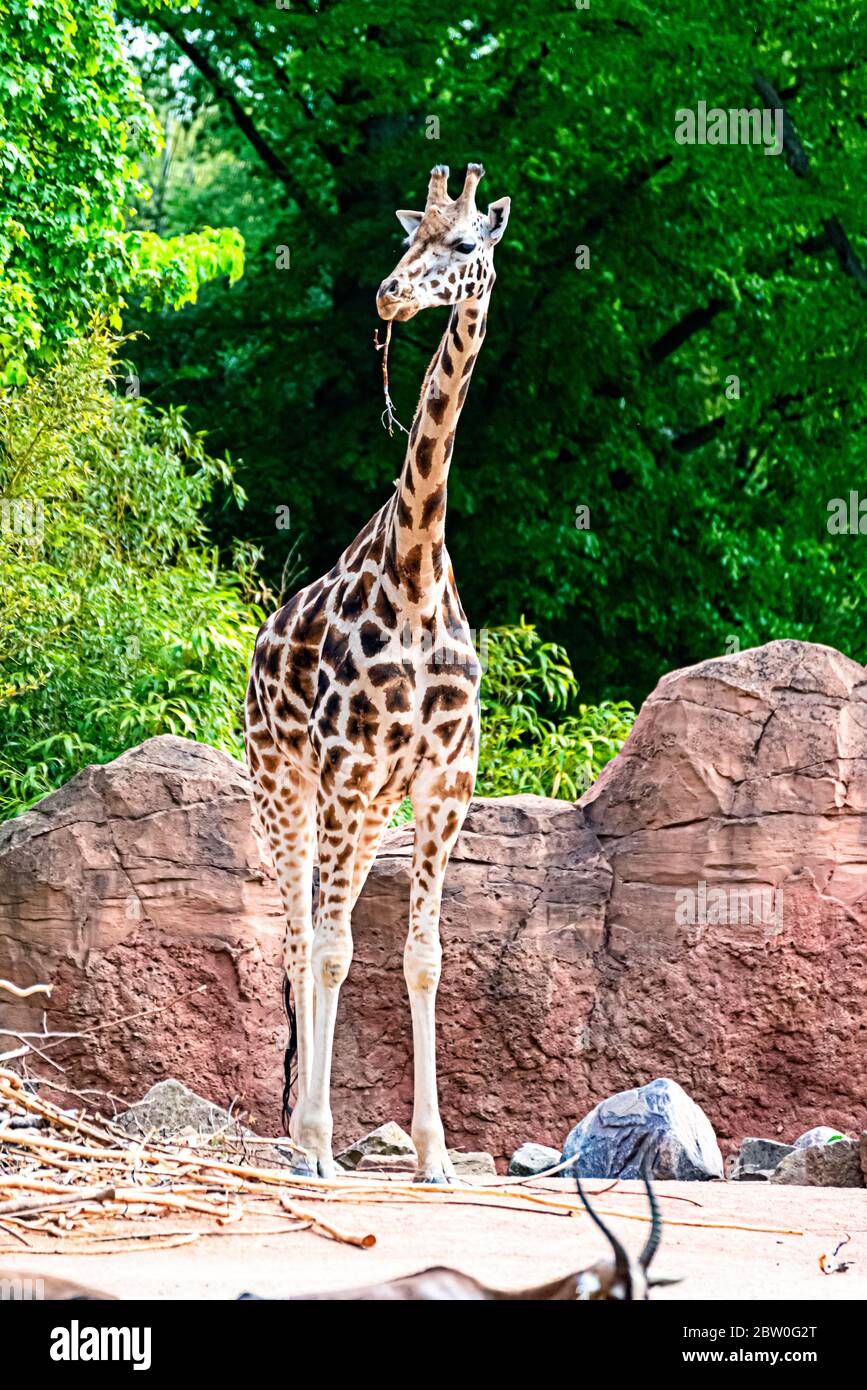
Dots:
(376, 818)
(286, 804)
(341, 815)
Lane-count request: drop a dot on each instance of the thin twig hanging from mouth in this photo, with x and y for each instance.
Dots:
(389, 419)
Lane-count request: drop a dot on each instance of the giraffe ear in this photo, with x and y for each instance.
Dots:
(409, 220)
(498, 216)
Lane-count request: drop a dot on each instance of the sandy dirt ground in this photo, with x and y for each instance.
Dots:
(776, 1258)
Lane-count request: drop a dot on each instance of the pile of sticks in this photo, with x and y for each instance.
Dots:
(71, 1182)
(75, 1183)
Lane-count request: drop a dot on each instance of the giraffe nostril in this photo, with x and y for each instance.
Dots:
(392, 287)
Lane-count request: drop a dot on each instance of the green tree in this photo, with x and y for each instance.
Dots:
(73, 123)
(700, 386)
(118, 618)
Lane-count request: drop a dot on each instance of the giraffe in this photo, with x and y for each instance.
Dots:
(364, 690)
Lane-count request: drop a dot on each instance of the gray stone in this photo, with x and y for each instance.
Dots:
(473, 1165)
(824, 1165)
(170, 1107)
(385, 1163)
(822, 1134)
(758, 1157)
(530, 1159)
(387, 1139)
(862, 1150)
(170, 1110)
(655, 1128)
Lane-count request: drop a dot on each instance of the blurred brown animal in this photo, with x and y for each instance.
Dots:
(620, 1278)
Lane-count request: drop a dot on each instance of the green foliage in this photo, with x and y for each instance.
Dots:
(117, 621)
(73, 122)
(524, 748)
(607, 387)
(171, 270)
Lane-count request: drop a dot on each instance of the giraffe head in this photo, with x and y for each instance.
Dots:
(450, 253)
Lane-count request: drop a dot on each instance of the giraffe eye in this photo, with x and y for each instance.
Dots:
(465, 247)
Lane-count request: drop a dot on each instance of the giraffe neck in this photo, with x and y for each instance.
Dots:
(419, 511)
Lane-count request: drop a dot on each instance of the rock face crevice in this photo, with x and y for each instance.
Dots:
(700, 914)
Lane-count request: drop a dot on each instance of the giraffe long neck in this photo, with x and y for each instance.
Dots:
(419, 511)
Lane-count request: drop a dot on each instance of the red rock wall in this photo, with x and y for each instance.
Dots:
(130, 889)
(567, 975)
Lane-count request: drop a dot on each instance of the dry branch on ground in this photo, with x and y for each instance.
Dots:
(72, 1181)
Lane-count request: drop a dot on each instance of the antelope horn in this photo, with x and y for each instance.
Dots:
(471, 182)
(621, 1259)
(655, 1236)
(437, 189)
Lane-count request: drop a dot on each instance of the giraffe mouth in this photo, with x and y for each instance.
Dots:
(397, 310)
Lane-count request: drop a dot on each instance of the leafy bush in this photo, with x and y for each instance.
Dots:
(524, 749)
(117, 619)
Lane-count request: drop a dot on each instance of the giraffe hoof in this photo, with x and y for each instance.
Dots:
(301, 1167)
(438, 1178)
(325, 1169)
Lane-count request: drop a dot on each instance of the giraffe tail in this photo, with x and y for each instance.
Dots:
(290, 1054)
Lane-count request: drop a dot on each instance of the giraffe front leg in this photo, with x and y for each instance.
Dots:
(332, 954)
(421, 968)
(436, 830)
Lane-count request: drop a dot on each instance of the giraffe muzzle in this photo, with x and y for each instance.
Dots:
(394, 301)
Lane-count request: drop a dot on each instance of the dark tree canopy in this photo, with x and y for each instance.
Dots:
(695, 378)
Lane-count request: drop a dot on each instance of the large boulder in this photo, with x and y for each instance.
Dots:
(654, 1129)
(140, 891)
(700, 914)
(735, 952)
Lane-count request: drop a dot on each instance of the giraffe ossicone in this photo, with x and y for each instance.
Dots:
(364, 690)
